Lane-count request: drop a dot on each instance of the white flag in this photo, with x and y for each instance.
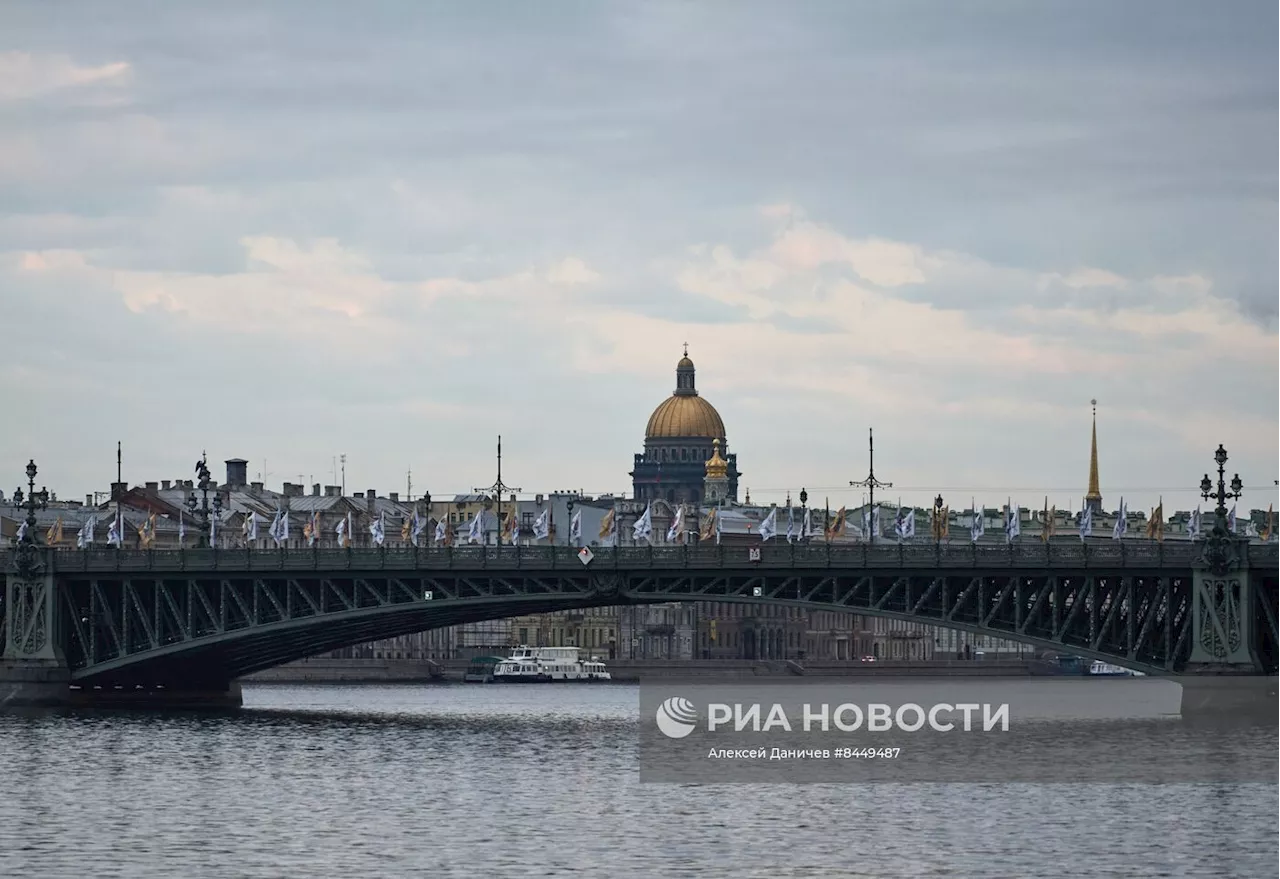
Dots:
(213, 530)
(85, 540)
(440, 530)
(115, 533)
(900, 522)
(251, 526)
(643, 528)
(280, 528)
(977, 524)
(1086, 521)
(769, 527)
(476, 533)
(1231, 519)
(909, 529)
(515, 530)
(1122, 521)
(341, 531)
(1194, 526)
(677, 525)
(542, 525)
(791, 524)
(806, 528)
(875, 523)
(377, 529)
(182, 530)
(415, 529)
(1012, 522)
(575, 526)
(22, 531)
(719, 528)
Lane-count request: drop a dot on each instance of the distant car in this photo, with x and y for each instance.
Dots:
(868, 659)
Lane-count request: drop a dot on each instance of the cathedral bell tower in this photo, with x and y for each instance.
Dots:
(715, 486)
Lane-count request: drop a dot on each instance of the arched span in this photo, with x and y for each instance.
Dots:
(192, 618)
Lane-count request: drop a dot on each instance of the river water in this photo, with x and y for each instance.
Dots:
(448, 780)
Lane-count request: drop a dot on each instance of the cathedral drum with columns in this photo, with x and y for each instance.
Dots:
(686, 453)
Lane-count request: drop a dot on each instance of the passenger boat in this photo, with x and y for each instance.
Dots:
(548, 665)
(1106, 669)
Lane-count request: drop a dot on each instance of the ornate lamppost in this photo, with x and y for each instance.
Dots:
(569, 533)
(27, 558)
(804, 515)
(937, 518)
(204, 511)
(1219, 552)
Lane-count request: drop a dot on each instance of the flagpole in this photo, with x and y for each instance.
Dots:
(871, 483)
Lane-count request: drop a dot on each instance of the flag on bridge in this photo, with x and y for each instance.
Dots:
(609, 526)
(1012, 521)
(279, 530)
(444, 534)
(769, 527)
(709, 525)
(977, 522)
(182, 530)
(406, 528)
(1122, 521)
(542, 525)
(115, 533)
(791, 520)
(1048, 521)
(342, 532)
(475, 534)
(250, 527)
(377, 529)
(837, 526)
(643, 529)
(1086, 520)
(1270, 530)
(1155, 526)
(1231, 519)
(148, 530)
(85, 538)
(677, 525)
(54, 536)
(575, 527)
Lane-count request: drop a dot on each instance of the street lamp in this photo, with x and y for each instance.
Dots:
(804, 514)
(937, 518)
(203, 511)
(1218, 552)
(33, 500)
(569, 504)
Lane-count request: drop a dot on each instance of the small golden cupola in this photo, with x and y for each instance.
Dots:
(717, 467)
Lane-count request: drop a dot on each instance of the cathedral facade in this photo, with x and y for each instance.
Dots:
(684, 433)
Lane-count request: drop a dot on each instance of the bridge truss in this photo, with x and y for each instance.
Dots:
(204, 617)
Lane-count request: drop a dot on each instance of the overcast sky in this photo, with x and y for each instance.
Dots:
(394, 230)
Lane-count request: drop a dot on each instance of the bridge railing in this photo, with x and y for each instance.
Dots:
(1066, 554)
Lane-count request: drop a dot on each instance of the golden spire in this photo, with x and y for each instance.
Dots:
(717, 467)
(1094, 493)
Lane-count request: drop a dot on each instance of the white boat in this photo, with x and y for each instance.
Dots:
(1106, 669)
(547, 665)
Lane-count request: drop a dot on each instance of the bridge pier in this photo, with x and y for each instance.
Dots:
(33, 669)
(1222, 616)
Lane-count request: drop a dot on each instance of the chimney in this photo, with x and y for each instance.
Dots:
(513, 499)
(164, 484)
(395, 497)
(296, 490)
(255, 488)
(237, 472)
(332, 490)
(88, 500)
(153, 486)
(370, 497)
(119, 489)
(315, 490)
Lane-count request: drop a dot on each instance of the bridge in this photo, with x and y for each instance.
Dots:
(193, 621)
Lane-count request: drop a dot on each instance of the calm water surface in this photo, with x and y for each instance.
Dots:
(479, 781)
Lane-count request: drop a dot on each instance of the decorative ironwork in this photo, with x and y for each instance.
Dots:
(1220, 554)
(205, 512)
(27, 559)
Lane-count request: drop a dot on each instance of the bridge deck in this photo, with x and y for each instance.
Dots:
(1063, 555)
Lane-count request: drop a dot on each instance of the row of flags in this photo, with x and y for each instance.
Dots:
(711, 527)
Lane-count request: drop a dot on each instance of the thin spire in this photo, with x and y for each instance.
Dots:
(1094, 495)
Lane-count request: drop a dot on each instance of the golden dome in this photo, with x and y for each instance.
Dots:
(685, 416)
(684, 413)
(717, 467)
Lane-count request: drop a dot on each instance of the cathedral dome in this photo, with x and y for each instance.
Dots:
(684, 413)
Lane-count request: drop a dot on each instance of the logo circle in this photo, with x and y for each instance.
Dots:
(676, 717)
